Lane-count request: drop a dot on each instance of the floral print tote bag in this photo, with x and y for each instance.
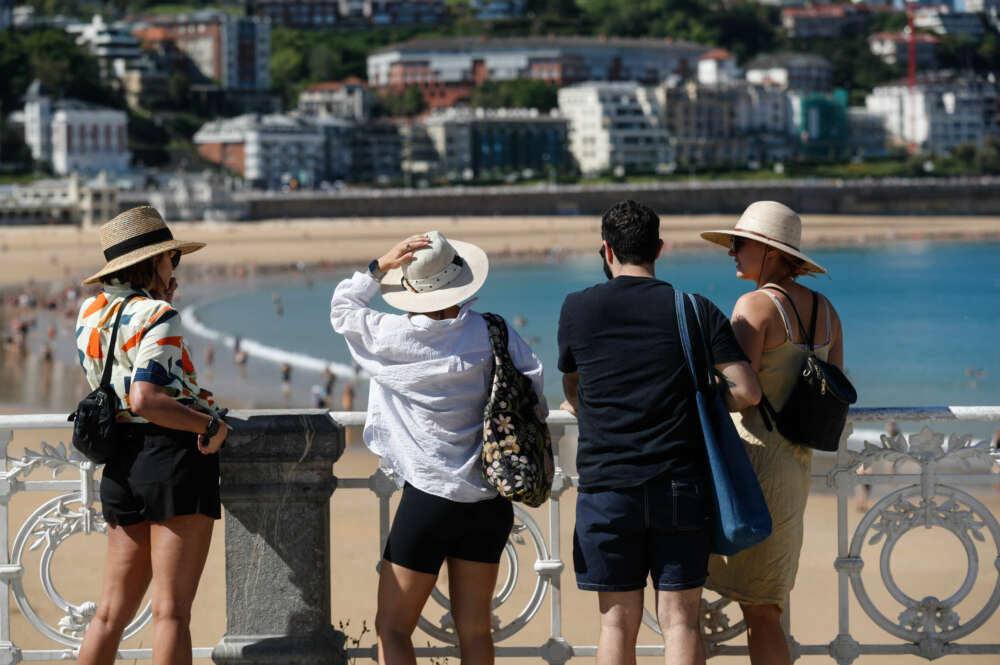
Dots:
(517, 446)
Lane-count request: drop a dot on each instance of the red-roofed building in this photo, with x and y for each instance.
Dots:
(349, 99)
(717, 67)
(894, 48)
(823, 21)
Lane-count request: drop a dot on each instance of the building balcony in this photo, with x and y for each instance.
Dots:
(305, 522)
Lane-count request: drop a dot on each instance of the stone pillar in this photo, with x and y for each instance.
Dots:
(277, 479)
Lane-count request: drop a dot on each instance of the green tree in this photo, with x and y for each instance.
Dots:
(324, 63)
(179, 89)
(407, 103)
(987, 159)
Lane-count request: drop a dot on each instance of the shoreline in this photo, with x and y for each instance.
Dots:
(46, 254)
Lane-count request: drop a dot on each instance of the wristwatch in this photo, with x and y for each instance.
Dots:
(376, 272)
(213, 427)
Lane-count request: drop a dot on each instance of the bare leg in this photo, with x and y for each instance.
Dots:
(401, 596)
(179, 548)
(677, 612)
(621, 616)
(127, 573)
(766, 637)
(470, 588)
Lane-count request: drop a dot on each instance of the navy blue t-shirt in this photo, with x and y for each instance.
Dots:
(637, 414)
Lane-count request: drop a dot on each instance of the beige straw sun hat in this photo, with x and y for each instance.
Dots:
(445, 273)
(135, 235)
(771, 223)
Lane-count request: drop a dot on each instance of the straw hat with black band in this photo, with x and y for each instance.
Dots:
(445, 273)
(134, 236)
(770, 223)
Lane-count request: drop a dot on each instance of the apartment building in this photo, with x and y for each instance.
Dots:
(71, 135)
(234, 51)
(6, 14)
(70, 200)
(823, 21)
(943, 20)
(893, 48)
(446, 70)
(497, 141)
(349, 99)
(944, 110)
(304, 14)
(267, 150)
(791, 71)
(111, 44)
(616, 125)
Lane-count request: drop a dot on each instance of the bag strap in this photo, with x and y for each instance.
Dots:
(109, 362)
(685, 336)
(498, 341)
(811, 335)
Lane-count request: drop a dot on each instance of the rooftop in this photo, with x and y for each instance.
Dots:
(770, 60)
(461, 44)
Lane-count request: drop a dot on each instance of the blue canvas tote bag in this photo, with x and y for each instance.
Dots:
(741, 515)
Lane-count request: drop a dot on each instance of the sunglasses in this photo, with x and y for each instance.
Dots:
(736, 243)
(175, 258)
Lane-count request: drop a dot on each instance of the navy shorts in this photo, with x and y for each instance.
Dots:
(428, 529)
(659, 529)
(158, 473)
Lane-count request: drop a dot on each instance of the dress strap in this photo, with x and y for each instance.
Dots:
(784, 314)
(829, 337)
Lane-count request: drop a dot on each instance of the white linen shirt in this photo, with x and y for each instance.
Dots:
(429, 386)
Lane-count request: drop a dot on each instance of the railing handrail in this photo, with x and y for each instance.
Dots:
(560, 417)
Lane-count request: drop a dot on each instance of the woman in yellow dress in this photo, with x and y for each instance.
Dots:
(765, 246)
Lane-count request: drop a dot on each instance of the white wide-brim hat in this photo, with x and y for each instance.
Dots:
(443, 274)
(134, 236)
(771, 223)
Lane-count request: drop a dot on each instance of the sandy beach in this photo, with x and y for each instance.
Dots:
(57, 252)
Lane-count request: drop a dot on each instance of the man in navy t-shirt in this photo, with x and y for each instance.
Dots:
(644, 495)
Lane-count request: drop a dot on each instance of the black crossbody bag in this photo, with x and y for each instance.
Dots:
(94, 421)
(816, 410)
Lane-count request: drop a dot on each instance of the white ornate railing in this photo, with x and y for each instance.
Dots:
(934, 496)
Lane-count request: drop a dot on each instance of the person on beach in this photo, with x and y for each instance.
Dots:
(765, 246)
(644, 501)
(160, 492)
(430, 371)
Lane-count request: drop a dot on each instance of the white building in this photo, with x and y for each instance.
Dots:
(894, 47)
(616, 124)
(112, 45)
(71, 135)
(944, 110)
(349, 99)
(71, 200)
(718, 67)
(791, 71)
(991, 8)
(943, 20)
(267, 150)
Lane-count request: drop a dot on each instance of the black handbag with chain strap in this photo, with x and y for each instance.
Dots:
(816, 410)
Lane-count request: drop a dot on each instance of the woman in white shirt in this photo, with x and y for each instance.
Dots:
(430, 372)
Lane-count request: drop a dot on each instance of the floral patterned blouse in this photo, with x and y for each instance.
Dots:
(150, 347)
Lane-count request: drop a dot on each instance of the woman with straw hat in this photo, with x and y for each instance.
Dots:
(765, 246)
(160, 492)
(430, 371)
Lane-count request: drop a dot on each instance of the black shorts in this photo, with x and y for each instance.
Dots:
(428, 529)
(159, 473)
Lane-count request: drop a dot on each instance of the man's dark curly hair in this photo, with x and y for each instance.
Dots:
(633, 232)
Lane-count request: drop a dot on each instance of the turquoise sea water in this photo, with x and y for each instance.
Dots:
(920, 319)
